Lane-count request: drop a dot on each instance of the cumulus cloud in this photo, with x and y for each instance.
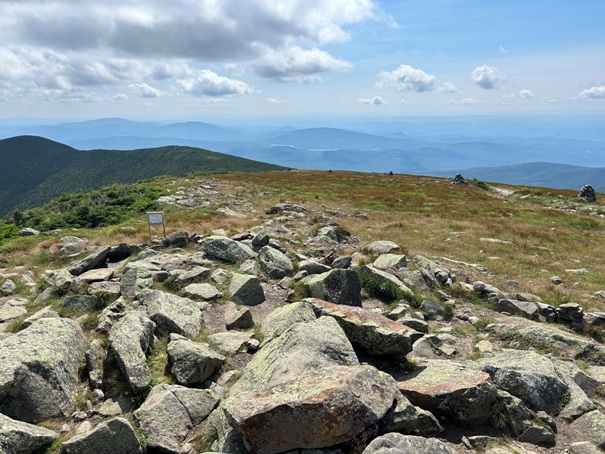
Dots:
(596, 92)
(208, 83)
(297, 65)
(146, 91)
(487, 77)
(527, 94)
(375, 101)
(448, 87)
(407, 78)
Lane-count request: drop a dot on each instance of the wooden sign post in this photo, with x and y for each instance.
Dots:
(156, 218)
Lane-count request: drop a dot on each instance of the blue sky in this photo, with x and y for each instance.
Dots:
(213, 58)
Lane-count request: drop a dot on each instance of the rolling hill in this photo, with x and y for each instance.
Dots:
(35, 169)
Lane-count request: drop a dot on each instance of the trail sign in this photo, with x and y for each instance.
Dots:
(155, 218)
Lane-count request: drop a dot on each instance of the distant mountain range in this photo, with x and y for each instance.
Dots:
(420, 145)
(34, 170)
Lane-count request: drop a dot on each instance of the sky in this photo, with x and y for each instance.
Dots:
(158, 59)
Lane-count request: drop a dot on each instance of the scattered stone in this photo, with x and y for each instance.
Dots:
(592, 427)
(514, 307)
(287, 207)
(131, 339)
(193, 276)
(237, 317)
(39, 372)
(116, 406)
(172, 313)
(432, 310)
(134, 280)
(336, 286)
(80, 303)
(313, 267)
(459, 180)
(382, 247)
(382, 278)
(100, 274)
(584, 447)
(392, 443)
(115, 436)
(274, 263)
(45, 312)
(587, 193)
(453, 389)
(205, 292)
(556, 280)
(94, 260)
(27, 231)
(9, 312)
(245, 289)
(223, 248)
(20, 437)
(390, 261)
(342, 262)
(230, 342)
(8, 288)
(286, 316)
(190, 362)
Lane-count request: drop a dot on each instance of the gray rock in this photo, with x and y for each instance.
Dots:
(286, 316)
(39, 373)
(538, 435)
(10, 312)
(384, 278)
(28, 232)
(395, 443)
(204, 292)
(483, 289)
(223, 248)
(432, 310)
(336, 286)
(45, 312)
(190, 362)
(106, 290)
(193, 276)
(260, 240)
(529, 376)
(451, 389)
(80, 303)
(227, 438)
(592, 427)
(134, 280)
(287, 207)
(237, 317)
(274, 263)
(373, 333)
(121, 252)
(390, 261)
(343, 262)
(170, 412)
(382, 247)
(172, 313)
(177, 239)
(246, 290)
(405, 418)
(584, 447)
(97, 275)
(17, 437)
(8, 287)
(231, 341)
(115, 436)
(514, 307)
(300, 413)
(313, 267)
(131, 338)
(510, 415)
(304, 346)
(416, 324)
(94, 260)
(116, 405)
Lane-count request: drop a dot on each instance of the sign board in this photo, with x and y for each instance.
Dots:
(155, 217)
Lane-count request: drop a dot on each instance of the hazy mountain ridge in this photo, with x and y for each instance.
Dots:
(36, 169)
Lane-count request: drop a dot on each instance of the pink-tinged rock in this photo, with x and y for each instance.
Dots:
(448, 388)
(373, 333)
(314, 410)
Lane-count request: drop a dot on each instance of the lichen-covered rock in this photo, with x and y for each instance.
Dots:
(17, 437)
(115, 436)
(592, 427)
(395, 443)
(131, 338)
(313, 267)
(80, 303)
(305, 346)
(405, 418)
(94, 260)
(203, 291)
(373, 333)
(230, 342)
(237, 317)
(313, 410)
(529, 376)
(336, 286)
(384, 278)
(190, 362)
(382, 247)
(193, 276)
(45, 312)
(276, 264)
(226, 249)
(286, 316)
(170, 412)
(452, 389)
(172, 313)
(60, 280)
(134, 280)
(39, 372)
(525, 308)
(245, 289)
(390, 261)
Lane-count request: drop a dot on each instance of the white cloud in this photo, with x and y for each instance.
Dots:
(596, 92)
(146, 91)
(503, 50)
(297, 65)
(466, 101)
(121, 97)
(448, 87)
(375, 101)
(486, 77)
(208, 83)
(527, 94)
(407, 78)
(276, 101)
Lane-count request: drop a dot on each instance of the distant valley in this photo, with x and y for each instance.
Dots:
(555, 151)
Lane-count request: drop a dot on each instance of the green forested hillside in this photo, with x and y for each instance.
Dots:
(35, 170)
